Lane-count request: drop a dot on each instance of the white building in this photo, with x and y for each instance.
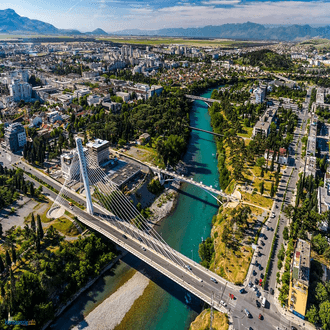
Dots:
(93, 99)
(124, 96)
(20, 90)
(53, 116)
(100, 150)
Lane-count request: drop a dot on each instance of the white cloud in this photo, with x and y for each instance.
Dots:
(220, 2)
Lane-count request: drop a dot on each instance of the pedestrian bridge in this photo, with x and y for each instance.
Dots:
(200, 98)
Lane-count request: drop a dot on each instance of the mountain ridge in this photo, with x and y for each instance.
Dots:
(11, 22)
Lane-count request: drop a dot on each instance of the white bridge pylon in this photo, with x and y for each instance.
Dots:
(87, 183)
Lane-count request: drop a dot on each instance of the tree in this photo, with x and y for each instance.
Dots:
(38, 242)
(260, 162)
(8, 260)
(2, 266)
(13, 253)
(324, 314)
(262, 187)
(41, 231)
(319, 243)
(321, 293)
(33, 223)
(286, 233)
(1, 232)
(312, 314)
(272, 190)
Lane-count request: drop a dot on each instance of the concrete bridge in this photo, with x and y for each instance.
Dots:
(200, 98)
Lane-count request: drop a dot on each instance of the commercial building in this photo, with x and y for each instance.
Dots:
(15, 136)
(99, 149)
(300, 272)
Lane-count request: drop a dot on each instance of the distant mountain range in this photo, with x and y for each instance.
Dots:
(11, 22)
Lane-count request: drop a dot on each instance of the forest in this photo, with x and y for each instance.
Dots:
(267, 59)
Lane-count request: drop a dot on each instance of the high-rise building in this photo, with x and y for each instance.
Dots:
(15, 136)
(100, 150)
(20, 90)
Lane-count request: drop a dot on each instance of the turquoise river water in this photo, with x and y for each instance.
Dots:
(163, 305)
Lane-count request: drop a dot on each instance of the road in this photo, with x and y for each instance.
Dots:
(191, 281)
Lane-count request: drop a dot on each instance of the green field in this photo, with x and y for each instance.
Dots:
(190, 42)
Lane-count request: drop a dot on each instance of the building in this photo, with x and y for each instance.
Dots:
(100, 150)
(124, 96)
(53, 116)
(260, 93)
(263, 125)
(15, 136)
(281, 156)
(93, 99)
(20, 90)
(300, 271)
(320, 95)
(66, 161)
(143, 138)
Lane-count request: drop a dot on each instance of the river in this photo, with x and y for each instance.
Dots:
(162, 306)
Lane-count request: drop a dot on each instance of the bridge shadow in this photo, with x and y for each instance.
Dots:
(215, 205)
(164, 282)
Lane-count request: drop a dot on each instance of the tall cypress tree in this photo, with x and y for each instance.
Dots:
(13, 253)
(8, 260)
(2, 266)
(41, 231)
(33, 224)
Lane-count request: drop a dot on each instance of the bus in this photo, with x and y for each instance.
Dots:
(264, 301)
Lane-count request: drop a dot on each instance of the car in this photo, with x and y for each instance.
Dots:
(259, 254)
(293, 328)
(254, 273)
(267, 228)
(223, 303)
(188, 267)
(271, 291)
(260, 281)
(262, 243)
(213, 280)
(273, 215)
(260, 317)
(258, 294)
(254, 288)
(143, 248)
(258, 303)
(260, 267)
(242, 290)
(250, 284)
(256, 281)
(125, 236)
(248, 314)
(140, 239)
(262, 275)
(256, 263)
(231, 296)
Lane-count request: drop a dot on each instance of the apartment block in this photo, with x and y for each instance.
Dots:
(300, 272)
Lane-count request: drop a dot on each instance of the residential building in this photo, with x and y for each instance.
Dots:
(281, 156)
(93, 99)
(124, 96)
(263, 125)
(99, 149)
(143, 138)
(15, 136)
(300, 272)
(20, 90)
(53, 116)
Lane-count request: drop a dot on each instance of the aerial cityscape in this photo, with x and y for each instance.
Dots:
(164, 165)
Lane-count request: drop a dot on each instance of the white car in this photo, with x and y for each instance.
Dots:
(223, 303)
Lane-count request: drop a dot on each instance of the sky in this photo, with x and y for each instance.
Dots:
(117, 15)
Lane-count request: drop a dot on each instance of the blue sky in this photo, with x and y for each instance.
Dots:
(114, 15)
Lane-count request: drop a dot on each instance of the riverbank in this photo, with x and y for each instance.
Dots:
(112, 311)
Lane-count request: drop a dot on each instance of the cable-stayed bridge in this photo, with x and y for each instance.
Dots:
(110, 212)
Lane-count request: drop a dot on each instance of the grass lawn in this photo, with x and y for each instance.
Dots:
(228, 263)
(65, 226)
(247, 132)
(257, 199)
(202, 321)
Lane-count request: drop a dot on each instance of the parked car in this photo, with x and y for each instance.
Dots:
(271, 291)
(242, 290)
(254, 273)
(188, 267)
(260, 267)
(248, 314)
(223, 303)
(260, 317)
(258, 303)
(250, 284)
(256, 281)
(213, 280)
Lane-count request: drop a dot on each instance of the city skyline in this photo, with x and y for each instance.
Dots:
(117, 15)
